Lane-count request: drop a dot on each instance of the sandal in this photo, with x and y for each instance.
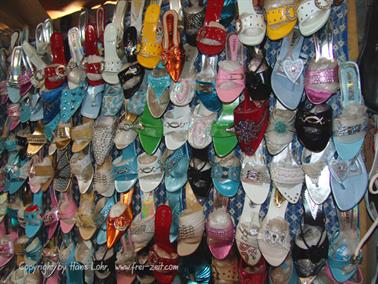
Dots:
(102, 142)
(255, 274)
(211, 37)
(313, 125)
(250, 123)
(281, 18)
(113, 63)
(105, 259)
(125, 169)
(33, 254)
(173, 55)
(91, 105)
(81, 136)
(13, 114)
(75, 72)
(84, 256)
(230, 78)
(258, 75)
(63, 176)
(55, 74)
(102, 210)
(226, 270)
(350, 126)
(150, 48)
(67, 211)
(176, 126)
(136, 14)
(103, 180)
(150, 131)
(181, 93)
(85, 219)
(71, 101)
(274, 234)
(112, 100)
(63, 136)
(51, 217)
(194, 17)
(287, 76)
(33, 216)
(118, 21)
(250, 24)
(82, 169)
(313, 15)
(150, 172)
(126, 257)
(130, 39)
(224, 137)
(93, 62)
(51, 106)
(175, 164)
(126, 132)
(284, 273)
(131, 78)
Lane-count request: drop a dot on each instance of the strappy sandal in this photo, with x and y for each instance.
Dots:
(173, 55)
(211, 38)
(150, 48)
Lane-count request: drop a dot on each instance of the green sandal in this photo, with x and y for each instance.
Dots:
(150, 131)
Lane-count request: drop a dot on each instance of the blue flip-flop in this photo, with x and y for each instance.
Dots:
(287, 76)
(125, 169)
(176, 169)
(91, 105)
(350, 126)
(349, 182)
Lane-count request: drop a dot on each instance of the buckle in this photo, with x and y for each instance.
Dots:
(287, 13)
(319, 5)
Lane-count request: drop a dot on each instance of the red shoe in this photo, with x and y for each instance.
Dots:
(93, 61)
(55, 73)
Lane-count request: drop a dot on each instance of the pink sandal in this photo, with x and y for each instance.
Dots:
(230, 79)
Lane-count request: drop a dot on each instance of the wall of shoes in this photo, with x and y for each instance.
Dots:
(183, 142)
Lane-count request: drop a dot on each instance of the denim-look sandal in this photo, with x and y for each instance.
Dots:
(349, 128)
(102, 210)
(222, 131)
(32, 215)
(176, 165)
(287, 76)
(205, 86)
(91, 105)
(125, 169)
(51, 103)
(138, 101)
(112, 100)
(158, 91)
(71, 101)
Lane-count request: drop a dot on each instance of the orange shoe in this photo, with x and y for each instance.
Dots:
(173, 56)
(119, 219)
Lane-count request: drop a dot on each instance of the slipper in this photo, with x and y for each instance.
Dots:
(258, 75)
(349, 181)
(255, 176)
(349, 127)
(224, 137)
(220, 231)
(32, 216)
(118, 21)
(136, 14)
(102, 210)
(55, 73)
(199, 173)
(13, 87)
(93, 62)
(71, 100)
(322, 72)
(149, 51)
(313, 124)
(112, 100)
(280, 131)
(51, 217)
(38, 75)
(247, 231)
(82, 169)
(63, 176)
(36, 106)
(287, 76)
(287, 175)
(17, 173)
(63, 136)
(281, 18)
(250, 123)
(67, 211)
(191, 224)
(138, 101)
(75, 74)
(103, 180)
(33, 254)
(313, 15)
(131, 77)
(126, 130)
(91, 105)
(158, 91)
(199, 135)
(81, 135)
(51, 104)
(13, 114)
(142, 228)
(205, 86)
(112, 62)
(102, 142)
(194, 16)
(173, 55)
(85, 219)
(150, 173)
(181, 93)
(125, 169)
(175, 165)
(51, 272)
(211, 37)
(150, 132)
(274, 235)
(225, 173)
(317, 175)
(341, 260)
(250, 24)
(41, 174)
(67, 258)
(176, 126)
(230, 78)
